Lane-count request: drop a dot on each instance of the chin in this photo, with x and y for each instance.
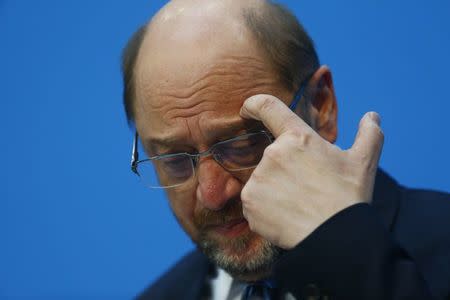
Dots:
(247, 257)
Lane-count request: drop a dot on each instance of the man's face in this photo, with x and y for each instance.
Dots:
(190, 87)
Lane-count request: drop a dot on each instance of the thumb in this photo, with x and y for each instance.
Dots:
(369, 139)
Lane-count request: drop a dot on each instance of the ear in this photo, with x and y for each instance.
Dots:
(323, 105)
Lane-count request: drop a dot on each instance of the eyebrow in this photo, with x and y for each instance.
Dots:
(164, 141)
(226, 131)
(154, 143)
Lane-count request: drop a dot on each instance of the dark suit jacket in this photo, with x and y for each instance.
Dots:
(396, 248)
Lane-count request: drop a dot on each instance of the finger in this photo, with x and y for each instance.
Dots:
(274, 114)
(369, 139)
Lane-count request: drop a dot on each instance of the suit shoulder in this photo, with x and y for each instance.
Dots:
(432, 205)
(425, 211)
(187, 272)
(423, 229)
(423, 224)
(427, 214)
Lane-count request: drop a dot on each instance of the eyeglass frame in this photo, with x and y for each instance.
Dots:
(195, 157)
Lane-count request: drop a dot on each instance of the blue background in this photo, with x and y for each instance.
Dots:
(75, 222)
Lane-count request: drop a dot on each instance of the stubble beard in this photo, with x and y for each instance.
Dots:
(248, 257)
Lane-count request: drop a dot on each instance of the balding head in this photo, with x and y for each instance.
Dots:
(183, 24)
(207, 10)
(187, 38)
(187, 74)
(193, 21)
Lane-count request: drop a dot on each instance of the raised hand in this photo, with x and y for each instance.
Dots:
(302, 179)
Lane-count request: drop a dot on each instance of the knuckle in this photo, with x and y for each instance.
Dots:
(272, 152)
(298, 138)
(256, 177)
(268, 103)
(248, 193)
(245, 194)
(249, 202)
(295, 131)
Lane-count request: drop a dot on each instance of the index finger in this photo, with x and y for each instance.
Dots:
(274, 114)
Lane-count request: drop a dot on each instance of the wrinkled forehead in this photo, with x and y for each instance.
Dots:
(180, 50)
(202, 95)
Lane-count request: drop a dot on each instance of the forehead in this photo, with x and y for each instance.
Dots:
(208, 104)
(190, 82)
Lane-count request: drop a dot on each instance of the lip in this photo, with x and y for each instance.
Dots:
(232, 228)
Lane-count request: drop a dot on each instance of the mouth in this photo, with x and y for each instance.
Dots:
(231, 229)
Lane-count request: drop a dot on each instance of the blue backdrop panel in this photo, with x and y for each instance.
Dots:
(75, 222)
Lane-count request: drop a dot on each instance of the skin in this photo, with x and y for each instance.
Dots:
(194, 89)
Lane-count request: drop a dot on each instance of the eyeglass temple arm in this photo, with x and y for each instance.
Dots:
(298, 95)
(134, 154)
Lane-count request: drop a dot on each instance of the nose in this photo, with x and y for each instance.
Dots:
(216, 186)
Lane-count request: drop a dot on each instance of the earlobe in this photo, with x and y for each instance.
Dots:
(323, 104)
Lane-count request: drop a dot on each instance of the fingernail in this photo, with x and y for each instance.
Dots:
(375, 117)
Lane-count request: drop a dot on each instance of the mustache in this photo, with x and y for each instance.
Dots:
(231, 211)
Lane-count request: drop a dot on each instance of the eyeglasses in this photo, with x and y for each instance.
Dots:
(236, 154)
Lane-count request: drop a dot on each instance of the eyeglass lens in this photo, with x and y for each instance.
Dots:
(240, 153)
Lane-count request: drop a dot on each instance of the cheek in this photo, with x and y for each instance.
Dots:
(183, 203)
